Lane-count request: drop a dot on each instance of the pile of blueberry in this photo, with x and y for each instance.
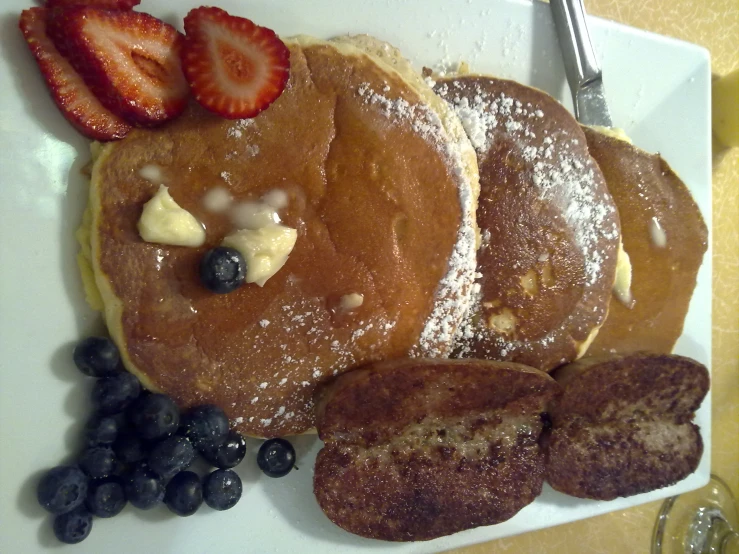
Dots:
(138, 448)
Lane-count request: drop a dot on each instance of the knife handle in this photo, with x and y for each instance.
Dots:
(580, 61)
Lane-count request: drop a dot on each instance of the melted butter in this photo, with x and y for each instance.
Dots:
(503, 322)
(657, 233)
(163, 221)
(152, 173)
(613, 132)
(529, 283)
(622, 283)
(253, 215)
(217, 200)
(265, 250)
(277, 198)
(340, 310)
(351, 301)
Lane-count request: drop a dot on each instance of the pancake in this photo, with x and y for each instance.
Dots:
(550, 230)
(665, 237)
(381, 183)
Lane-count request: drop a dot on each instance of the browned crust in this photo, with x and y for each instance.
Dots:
(663, 385)
(530, 232)
(624, 425)
(608, 462)
(381, 399)
(644, 186)
(420, 449)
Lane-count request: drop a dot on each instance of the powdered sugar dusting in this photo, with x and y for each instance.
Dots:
(569, 178)
(309, 348)
(304, 320)
(453, 294)
(237, 130)
(564, 178)
(294, 374)
(424, 121)
(477, 122)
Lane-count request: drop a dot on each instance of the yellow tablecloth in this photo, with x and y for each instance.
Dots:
(715, 25)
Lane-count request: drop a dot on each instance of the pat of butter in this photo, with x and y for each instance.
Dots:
(163, 221)
(657, 233)
(351, 301)
(265, 250)
(152, 173)
(622, 284)
(613, 132)
(253, 215)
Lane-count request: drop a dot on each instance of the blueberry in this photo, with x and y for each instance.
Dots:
(155, 416)
(101, 429)
(222, 269)
(144, 488)
(119, 469)
(74, 526)
(62, 489)
(276, 457)
(546, 421)
(171, 455)
(129, 448)
(206, 426)
(184, 493)
(105, 497)
(227, 455)
(98, 461)
(222, 489)
(112, 394)
(97, 357)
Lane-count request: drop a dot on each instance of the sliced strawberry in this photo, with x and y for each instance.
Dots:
(235, 68)
(105, 4)
(130, 60)
(67, 88)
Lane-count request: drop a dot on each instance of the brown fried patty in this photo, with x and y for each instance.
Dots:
(418, 449)
(624, 424)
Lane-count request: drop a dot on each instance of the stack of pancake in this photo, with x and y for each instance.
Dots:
(381, 184)
(382, 175)
(552, 196)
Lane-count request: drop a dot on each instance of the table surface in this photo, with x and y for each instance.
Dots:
(715, 25)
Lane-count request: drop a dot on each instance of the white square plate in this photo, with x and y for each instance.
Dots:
(659, 91)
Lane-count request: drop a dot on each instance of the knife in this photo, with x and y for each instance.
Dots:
(584, 74)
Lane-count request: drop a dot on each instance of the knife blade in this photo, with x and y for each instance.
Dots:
(584, 74)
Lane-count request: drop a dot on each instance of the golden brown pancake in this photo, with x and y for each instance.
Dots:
(550, 230)
(381, 190)
(665, 237)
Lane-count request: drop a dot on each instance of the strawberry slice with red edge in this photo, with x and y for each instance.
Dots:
(130, 60)
(235, 68)
(73, 98)
(105, 4)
